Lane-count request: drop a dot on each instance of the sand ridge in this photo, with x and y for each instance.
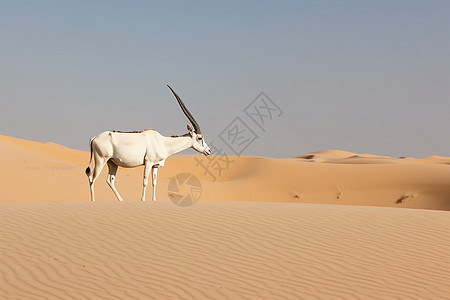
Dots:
(222, 250)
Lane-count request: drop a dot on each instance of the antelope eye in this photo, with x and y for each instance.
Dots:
(199, 138)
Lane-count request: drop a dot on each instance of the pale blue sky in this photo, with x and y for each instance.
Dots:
(362, 76)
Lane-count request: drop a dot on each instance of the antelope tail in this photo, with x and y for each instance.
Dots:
(88, 169)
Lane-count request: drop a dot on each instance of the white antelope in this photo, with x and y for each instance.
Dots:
(148, 148)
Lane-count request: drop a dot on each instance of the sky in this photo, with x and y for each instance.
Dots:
(361, 76)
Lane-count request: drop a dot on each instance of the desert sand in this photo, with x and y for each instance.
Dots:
(46, 172)
(324, 225)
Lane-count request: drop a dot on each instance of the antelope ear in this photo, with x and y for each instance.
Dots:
(189, 128)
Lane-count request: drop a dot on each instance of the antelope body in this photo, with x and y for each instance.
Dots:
(132, 149)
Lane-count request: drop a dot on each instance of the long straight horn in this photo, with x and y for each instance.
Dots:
(186, 112)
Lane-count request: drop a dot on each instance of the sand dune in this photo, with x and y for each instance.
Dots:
(45, 172)
(236, 242)
(222, 250)
(321, 156)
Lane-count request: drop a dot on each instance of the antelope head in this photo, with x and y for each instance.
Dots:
(198, 140)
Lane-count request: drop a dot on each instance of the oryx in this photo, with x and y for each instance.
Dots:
(147, 147)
